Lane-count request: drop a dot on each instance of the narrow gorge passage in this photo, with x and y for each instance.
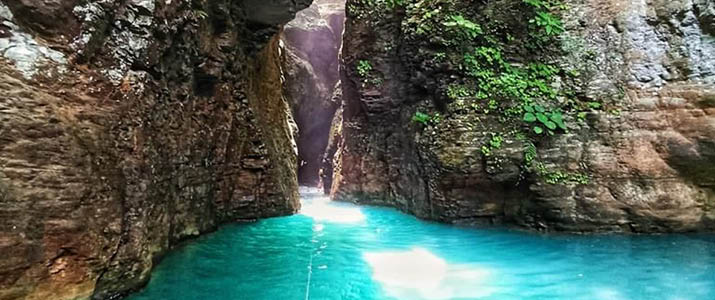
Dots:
(311, 49)
(335, 250)
(218, 149)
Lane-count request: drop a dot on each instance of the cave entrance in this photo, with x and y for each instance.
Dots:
(312, 43)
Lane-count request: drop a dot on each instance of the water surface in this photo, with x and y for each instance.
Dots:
(341, 251)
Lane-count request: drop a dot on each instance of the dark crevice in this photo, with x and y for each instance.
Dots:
(204, 84)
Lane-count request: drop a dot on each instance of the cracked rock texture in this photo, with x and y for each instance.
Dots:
(129, 126)
(651, 163)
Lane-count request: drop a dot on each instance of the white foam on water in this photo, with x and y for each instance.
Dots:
(322, 209)
(419, 274)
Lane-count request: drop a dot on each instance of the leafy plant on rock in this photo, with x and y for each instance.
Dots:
(466, 28)
(364, 68)
(551, 24)
(455, 91)
(538, 115)
(421, 117)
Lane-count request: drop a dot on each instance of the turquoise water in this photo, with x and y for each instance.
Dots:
(342, 251)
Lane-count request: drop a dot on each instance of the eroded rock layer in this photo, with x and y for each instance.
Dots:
(129, 126)
(640, 156)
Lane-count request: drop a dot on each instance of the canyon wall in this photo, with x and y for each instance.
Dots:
(310, 59)
(453, 111)
(129, 126)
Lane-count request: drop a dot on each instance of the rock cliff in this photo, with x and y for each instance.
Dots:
(129, 126)
(577, 115)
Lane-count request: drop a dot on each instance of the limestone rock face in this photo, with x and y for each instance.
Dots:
(312, 45)
(650, 155)
(129, 126)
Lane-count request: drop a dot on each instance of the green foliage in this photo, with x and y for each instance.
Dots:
(367, 9)
(492, 74)
(536, 3)
(514, 91)
(550, 23)
(496, 141)
(538, 115)
(423, 22)
(499, 79)
(466, 28)
(421, 117)
(581, 116)
(436, 118)
(426, 119)
(541, 70)
(544, 19)
(546, 4)
(199, 14)
(515, 88)
(560, 177)
(364, 68)
(365, 71)
(392, 4)
(486, 150)
(455, 91)
(529, 153)
(491, 105)
(555, 176)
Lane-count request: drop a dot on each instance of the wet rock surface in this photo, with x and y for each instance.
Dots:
(127, 127)
(649, 158)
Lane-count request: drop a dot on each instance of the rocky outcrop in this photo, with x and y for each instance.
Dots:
(331, 156)
(312, 44)
(129, 126)
(638, 157)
